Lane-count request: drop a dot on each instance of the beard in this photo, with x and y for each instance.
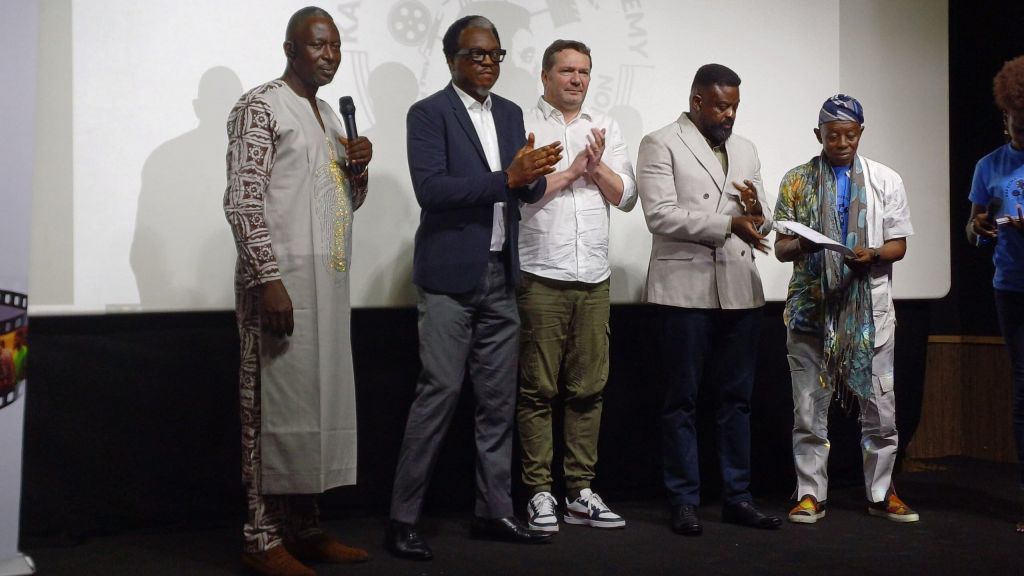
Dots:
(719, 133)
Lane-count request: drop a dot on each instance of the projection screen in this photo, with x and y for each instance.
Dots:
(134, 98)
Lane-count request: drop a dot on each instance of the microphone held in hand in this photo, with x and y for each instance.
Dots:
(348, 116)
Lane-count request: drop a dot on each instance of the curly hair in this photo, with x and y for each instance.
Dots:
(1008, 86)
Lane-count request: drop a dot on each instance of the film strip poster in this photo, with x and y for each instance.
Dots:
(13, 346)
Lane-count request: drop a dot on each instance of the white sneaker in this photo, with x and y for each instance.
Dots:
(541, 513)
(590, 510)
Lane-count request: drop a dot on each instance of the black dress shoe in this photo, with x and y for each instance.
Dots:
(685, 521)
(745, 514)
(505, 529)
(403, 541)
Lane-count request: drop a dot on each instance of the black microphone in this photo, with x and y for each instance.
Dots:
(994, 205)
(348, 116)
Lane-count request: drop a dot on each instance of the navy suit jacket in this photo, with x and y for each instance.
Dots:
(456, 191)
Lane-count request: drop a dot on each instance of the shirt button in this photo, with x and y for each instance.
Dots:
(743, 252)
(706, 195)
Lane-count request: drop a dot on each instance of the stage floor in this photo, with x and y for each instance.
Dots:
(968, 509)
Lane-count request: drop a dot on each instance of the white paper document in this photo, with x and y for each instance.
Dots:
(788, 226)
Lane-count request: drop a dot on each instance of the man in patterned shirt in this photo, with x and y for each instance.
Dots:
(293, 184)
(839, 312)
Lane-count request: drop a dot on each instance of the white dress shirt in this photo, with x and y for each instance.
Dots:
(483, 121)
(564, 236)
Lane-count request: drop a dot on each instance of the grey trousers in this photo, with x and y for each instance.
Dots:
(479, 332)
(879, 438)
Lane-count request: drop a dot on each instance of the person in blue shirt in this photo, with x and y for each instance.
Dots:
(997, 195)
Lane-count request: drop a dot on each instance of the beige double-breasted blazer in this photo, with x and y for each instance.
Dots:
(689, 203)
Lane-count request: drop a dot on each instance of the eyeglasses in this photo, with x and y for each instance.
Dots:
(478, 54)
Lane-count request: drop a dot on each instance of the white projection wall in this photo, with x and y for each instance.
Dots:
(151, 84)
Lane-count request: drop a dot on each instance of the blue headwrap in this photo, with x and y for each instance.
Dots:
(841, 108)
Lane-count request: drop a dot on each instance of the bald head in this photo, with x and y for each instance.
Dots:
(313, 50)
(299, 18)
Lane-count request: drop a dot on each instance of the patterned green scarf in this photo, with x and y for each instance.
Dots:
(849, 325)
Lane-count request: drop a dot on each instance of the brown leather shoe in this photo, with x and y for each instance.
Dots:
(323, 548)
(275, 562)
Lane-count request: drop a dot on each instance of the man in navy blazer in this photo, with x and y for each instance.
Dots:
(471, 164)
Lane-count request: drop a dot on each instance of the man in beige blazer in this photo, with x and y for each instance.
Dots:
(700, 187)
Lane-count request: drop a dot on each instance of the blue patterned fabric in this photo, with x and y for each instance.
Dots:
(849, 321)
(843, 196)
(825, 297)
(841, 108)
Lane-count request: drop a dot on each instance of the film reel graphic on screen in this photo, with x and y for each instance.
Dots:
(13, 345)
(625, 72)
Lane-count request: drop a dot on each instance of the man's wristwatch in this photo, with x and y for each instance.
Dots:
(876, 257)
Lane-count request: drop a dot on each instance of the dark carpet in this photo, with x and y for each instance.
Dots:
(968, 510)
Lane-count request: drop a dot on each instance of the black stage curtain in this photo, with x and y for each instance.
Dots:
(132, 421)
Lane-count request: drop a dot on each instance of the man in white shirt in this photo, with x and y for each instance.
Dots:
(563, 297)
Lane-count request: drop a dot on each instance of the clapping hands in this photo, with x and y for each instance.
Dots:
(532, 163)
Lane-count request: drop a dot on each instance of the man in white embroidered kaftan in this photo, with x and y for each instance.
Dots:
(291, 192)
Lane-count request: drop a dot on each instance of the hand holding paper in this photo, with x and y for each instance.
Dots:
(819, 239)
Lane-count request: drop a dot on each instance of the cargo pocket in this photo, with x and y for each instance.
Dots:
(884, 382)
(528, 352)
(796, 363)
(607, 352)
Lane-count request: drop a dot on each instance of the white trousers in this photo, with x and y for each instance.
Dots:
(811, 400)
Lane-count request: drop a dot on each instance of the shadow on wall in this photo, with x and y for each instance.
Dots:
(628, 232)
(392, 90)
(631, 122)
(173, 266)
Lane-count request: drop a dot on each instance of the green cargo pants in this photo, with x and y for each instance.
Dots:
(564, 336)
